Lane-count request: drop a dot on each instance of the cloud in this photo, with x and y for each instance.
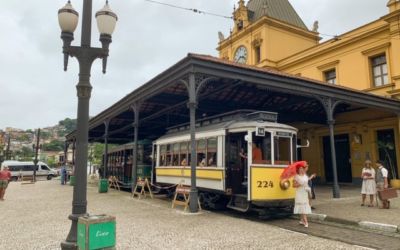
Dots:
(36, 92)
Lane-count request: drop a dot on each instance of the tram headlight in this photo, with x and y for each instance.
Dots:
(285, 184)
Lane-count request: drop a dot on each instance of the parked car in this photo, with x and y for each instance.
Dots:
(25, 168)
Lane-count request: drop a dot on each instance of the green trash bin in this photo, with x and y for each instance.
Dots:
(103, 186)
(72, 180)
(96, 232)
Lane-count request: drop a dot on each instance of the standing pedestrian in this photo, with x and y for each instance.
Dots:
(5, 177)
(301, 203)
(63, 175)
(382, 181)
(368, 183)
(311, 193)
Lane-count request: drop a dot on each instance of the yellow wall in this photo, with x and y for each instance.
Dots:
(278, 40)
(364, 126)
(292, 50)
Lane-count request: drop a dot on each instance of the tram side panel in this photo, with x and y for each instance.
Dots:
(266, 185)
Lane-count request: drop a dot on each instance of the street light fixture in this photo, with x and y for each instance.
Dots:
(85, 54)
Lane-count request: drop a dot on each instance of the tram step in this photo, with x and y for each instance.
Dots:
(239, 203)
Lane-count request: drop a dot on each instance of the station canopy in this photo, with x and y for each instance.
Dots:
(224, 86)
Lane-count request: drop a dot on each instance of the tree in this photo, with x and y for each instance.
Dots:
(53, 145)
(69, 125)
(27, 153)
(97, 154)
(51, 161)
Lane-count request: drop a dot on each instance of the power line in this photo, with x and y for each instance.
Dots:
(190, 9)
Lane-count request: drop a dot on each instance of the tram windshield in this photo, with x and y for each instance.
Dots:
(282, 150)
(263, 148)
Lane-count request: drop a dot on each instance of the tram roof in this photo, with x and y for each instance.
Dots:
(239, 119)
(228, 86)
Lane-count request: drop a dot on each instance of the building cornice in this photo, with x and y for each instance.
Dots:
(330, 45)
(376, 48)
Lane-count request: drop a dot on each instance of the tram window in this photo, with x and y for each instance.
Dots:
(261, 149)
(175, 154)
(183, 150)
(168, 155)
(282, 150)
(212, 152)
(163, 159)
(189, 158)
(201, 153)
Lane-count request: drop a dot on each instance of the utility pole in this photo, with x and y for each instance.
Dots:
(8, 147)
(35, 161)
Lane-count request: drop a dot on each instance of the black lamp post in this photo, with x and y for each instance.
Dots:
(36, 149)
(85, 54)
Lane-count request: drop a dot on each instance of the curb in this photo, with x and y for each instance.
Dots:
(362, 224)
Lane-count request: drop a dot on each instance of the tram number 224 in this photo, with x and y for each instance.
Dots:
(265, 184)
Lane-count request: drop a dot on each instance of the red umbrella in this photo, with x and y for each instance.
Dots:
(291, 170)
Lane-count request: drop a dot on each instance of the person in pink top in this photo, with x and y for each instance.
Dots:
(5, 177)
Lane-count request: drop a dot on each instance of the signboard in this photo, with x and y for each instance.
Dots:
(96, 232)
(260, 131)
(283, 134)
(102, 235)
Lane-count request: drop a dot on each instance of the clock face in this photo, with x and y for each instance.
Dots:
(241, 55)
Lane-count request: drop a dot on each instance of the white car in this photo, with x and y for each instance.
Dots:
(25, 168)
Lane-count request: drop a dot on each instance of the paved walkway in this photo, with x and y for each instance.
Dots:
(349, 207)
(35, 217)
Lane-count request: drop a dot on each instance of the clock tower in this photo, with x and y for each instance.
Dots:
(265, 32)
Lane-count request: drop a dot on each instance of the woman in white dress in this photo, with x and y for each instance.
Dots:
(301, 202)
(368, 184)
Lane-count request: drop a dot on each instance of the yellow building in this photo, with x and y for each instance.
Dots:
(269, 33)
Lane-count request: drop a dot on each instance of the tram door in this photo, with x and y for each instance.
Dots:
(237, 163)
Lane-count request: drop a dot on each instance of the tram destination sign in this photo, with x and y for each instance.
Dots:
(263, 116)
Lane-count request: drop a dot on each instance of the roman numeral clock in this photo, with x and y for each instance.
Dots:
(241, 55)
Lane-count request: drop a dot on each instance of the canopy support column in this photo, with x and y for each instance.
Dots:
(136, 111)
(329, 106)
(105, 163)
(73, 155)
(192, 105)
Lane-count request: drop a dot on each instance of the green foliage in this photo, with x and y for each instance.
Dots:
(23, 137)
(96, 153)
(68, 124)
(54, 145)
(51, 161)
(27, 152)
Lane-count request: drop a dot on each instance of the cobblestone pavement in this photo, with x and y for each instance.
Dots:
(35, 217)
(349, 206)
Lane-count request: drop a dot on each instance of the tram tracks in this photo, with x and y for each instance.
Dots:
(327, 230)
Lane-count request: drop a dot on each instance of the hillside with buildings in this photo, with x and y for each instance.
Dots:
(19, 144)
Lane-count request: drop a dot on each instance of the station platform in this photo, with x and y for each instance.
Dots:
(348, 209)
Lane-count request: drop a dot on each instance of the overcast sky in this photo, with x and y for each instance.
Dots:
(149, 38)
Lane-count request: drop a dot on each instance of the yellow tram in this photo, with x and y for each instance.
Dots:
(240, 156)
